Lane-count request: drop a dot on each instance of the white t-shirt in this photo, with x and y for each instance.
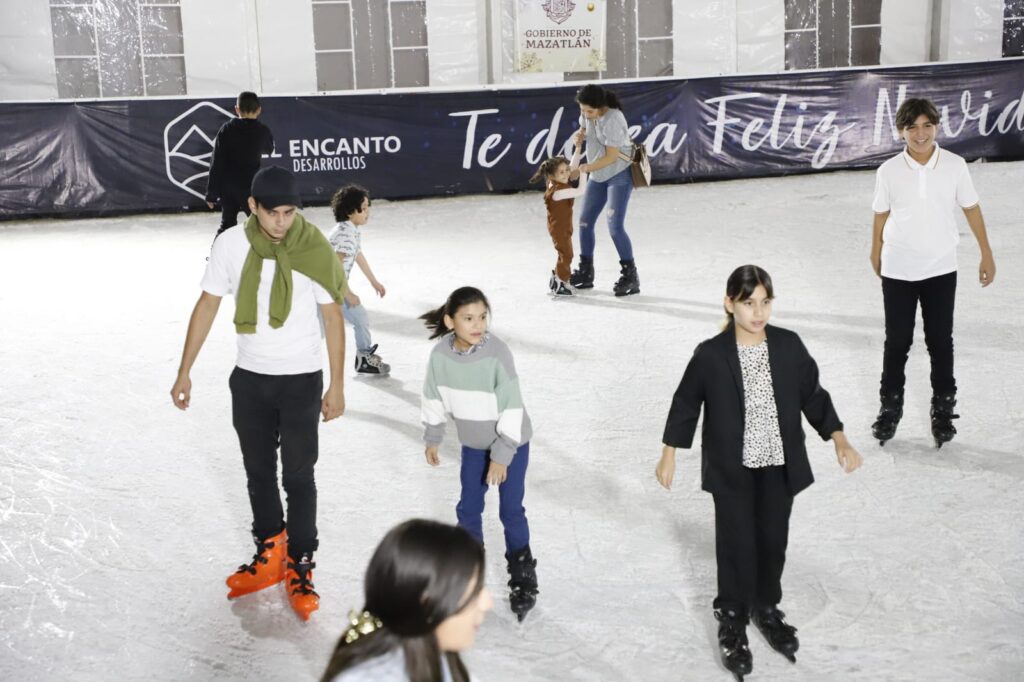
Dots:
(346, 238)
(295, 348)
(920, 235)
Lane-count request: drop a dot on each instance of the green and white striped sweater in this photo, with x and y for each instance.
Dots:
(480, 390)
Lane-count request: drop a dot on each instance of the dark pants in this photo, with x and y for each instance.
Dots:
(937, 295)
(751, 534)
(229, 209)
(269, 411)
(510, 496)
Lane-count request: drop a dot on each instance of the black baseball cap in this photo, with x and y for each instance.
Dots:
(274, 186)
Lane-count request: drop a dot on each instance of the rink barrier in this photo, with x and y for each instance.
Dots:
(99, 157)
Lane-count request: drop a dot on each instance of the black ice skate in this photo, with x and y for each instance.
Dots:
(583, 276)
(370, 363)
(889, 415)
(522, 584)
(942, 417)
(553, 282)
(563, 289)
(629, 281)
(732, 643)
(780, 635)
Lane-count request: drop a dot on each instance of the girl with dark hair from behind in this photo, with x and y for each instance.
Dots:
(753, 382)
(425, 600)
(609, 157)
(472, 377)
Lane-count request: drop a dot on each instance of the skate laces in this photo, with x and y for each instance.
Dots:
(302, 584)
(773, 620)
(735, 635)
(257, 558)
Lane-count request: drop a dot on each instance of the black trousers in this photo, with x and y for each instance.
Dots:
(751, 534)
(229, 209)
(937, 296)
(269, 411)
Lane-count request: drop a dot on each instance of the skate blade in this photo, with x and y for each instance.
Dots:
(236, 593)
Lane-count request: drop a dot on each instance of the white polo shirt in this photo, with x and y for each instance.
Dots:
(920, 235)
(295, 348)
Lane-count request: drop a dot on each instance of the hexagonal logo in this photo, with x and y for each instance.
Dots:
(188, 146)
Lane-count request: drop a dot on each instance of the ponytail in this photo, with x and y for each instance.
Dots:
(548, 168)
(434, 320)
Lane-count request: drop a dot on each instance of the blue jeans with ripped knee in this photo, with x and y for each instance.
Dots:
(615, 192)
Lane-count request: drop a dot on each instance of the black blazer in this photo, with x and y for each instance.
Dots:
(714, 379)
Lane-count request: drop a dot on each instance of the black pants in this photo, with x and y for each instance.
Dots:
(279, 410)
(751, 534)
(937, 295)
(229, 209)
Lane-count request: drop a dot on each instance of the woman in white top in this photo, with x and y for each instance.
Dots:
(609, 154)
(425, 600)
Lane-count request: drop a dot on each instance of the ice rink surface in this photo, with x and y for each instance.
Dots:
(120, 516)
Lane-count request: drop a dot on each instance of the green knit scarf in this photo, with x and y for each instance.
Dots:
(304, 249)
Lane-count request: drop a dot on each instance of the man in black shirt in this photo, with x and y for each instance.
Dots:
(237, 152)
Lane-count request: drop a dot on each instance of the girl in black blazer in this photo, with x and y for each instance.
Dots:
(753, 459)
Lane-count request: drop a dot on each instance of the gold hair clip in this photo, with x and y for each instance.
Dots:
(361, 624)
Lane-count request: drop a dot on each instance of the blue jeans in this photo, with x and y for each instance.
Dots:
(510, 496)
(357, 317)
(615, 192)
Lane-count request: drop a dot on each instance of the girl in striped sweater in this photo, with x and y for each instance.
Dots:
(471, 377)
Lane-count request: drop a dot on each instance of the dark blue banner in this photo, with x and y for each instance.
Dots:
(88, 158)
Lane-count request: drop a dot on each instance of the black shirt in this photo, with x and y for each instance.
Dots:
(237, 150)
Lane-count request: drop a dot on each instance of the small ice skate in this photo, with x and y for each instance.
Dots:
(629, 280)
(780, 635)
(562, 289)
(266, 568)
(732, 643)
(303, 598)
(943, 416)
(583, 276)
(889, 414)
(522, 583)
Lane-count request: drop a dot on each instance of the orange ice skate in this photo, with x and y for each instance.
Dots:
(265, 569)
(299, 583)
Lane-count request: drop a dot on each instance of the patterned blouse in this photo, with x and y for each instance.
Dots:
(762, 440)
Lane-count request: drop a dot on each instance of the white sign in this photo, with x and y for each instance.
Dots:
(560, 35)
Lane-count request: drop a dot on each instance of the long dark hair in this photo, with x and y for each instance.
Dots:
(595, 96)
(434, 320)
(548, 168)
(417, 578)
(741, 285)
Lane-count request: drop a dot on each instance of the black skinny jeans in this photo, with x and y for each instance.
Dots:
(270, 411)
(229, 209)
(937, 296)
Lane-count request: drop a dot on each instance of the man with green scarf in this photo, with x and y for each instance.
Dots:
(285, 278)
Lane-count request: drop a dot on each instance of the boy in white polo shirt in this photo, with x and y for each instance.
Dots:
(284, 276)
(913, 251)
